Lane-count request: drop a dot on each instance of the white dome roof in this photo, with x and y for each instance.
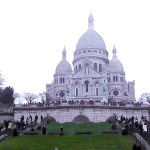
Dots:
(63, 67)
(90, 39)
(115, 65)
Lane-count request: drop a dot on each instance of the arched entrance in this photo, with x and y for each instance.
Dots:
(81, 119)
(49, 119)
(112, 118)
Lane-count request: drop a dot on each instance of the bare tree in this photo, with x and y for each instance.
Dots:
(29, 97)
(1, 79)
(16, 95)
(18, 98)
(43, 97)
(48, 98)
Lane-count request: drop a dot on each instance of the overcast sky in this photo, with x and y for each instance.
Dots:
(33, 34)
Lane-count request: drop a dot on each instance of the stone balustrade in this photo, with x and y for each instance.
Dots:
(87, 103)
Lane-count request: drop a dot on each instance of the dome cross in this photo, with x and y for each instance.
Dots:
(90, 21)
(64, 54)
(114, 51)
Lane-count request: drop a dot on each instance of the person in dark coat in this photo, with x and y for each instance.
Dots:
(44, 130)
(36, 118)
(1, 128)
(15, 133)
(41, 118)
(6, 125)
(30, 117)
(61, 129)
(22, 118)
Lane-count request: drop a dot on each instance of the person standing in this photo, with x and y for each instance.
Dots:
(30, 119)
(36, 118)
(41, 118)
(6, 125)
(44, 130)
(61, 129)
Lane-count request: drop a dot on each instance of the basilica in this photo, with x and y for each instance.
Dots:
(93, 77)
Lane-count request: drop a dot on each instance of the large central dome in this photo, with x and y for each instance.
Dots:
(91, 39)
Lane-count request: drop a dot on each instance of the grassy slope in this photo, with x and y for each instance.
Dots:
(69, 142)
(70, 128)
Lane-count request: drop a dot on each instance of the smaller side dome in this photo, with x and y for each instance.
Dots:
(115, 65)
(63, 67)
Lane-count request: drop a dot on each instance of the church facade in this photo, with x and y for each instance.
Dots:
(94, 76)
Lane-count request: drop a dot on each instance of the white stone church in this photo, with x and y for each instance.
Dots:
(94, 76)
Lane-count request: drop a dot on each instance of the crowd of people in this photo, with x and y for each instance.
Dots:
(82, 102)
(35, 103)
(7, 125)
(31, 119)
(133, 124)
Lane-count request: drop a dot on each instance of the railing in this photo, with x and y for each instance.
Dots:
(141, 141)
(84, 103)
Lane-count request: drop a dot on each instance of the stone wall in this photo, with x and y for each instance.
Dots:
(6, 116)
(68, 113)
(141, 141)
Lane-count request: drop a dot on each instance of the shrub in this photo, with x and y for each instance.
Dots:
(30, 133)
(31, 125)
(110, 132)
(56, 133)
(113, 127)
(109, 121)
(139, 148)
(39, 127)
(83, 132)
(124, 132)
(15, 133)
(134, 147)
(32, 129)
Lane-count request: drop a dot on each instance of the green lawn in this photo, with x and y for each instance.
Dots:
(70, 141)
(71, 128)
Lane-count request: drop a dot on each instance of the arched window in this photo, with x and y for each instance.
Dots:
(95, 66)
(96, 91)
(55, 81)
(63, 80)
(86, 69)
(96, 84)
(121, 79)
(114, 78)
(76, 69)
(79, 66)
(60, 80)
(86, 86)
(100, 67)
(76, 91)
